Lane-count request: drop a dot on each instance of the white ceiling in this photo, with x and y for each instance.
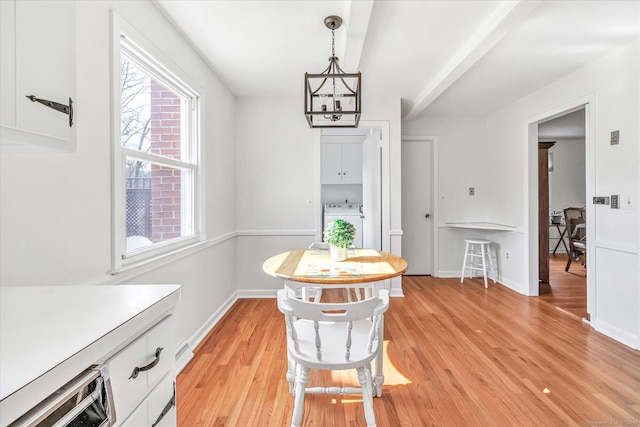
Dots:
(438, 56)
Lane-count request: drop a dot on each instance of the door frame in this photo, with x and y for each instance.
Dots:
(531, 190)
(385, 204)
(435, 215)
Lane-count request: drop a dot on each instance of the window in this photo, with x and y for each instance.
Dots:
(156, 157)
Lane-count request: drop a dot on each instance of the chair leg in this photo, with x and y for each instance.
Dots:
(484, 264)
(298, 402)
(318, 295)
(379, 361)
(566, 269)
(464, 262)
(492, 266)
(367, 399)
(291, 374)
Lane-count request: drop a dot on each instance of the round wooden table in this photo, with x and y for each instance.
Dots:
(314, 268)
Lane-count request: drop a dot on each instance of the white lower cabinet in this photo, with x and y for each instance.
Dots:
(142, 377)
(157, 409)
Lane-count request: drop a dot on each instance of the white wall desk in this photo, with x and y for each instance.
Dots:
(492, 226)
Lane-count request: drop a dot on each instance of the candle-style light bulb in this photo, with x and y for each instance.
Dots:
(337, 97)
(323, 101)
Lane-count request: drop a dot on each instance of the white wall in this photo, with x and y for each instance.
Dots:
(338, 193)
(55, 213)
(567, 181)
(278, 164)
(463, 162)
(502, 162)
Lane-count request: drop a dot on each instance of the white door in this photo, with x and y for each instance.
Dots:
(371, 191)
(417, 205)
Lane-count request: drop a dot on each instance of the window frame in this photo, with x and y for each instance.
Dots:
(127, 42)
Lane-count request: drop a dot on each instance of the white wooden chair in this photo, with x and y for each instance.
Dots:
(332, 337)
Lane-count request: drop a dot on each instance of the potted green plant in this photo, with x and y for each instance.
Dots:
(340, 235)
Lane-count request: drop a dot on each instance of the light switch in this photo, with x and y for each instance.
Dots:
(472, 191)
(615, 137)
(626, 202)
(615, 201)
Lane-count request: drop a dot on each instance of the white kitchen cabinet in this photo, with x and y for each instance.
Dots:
(150, 411)
(37, 57)
(137, 370)
(126, 325)
(341, 163)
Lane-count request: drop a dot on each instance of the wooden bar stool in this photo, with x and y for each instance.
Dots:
(477, 257)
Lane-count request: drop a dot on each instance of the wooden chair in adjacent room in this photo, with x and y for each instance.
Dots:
(575, 221)
(332, 337)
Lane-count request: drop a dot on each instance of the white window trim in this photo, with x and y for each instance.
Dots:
(171, 250)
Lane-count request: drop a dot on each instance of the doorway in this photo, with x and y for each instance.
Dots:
(562, 184)
(419, 222)
(364, 191)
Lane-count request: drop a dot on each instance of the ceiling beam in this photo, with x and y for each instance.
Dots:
(506, 17)
(357, 26)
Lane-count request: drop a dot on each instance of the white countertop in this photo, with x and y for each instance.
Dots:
(43, 326)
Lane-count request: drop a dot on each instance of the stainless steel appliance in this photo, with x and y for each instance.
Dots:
(84, 401)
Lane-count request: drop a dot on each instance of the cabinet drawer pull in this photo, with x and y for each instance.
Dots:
(155, 361)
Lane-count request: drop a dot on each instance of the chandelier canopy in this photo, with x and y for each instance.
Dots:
(332, 97)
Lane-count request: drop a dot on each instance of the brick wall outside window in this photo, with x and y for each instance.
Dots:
(165, 181)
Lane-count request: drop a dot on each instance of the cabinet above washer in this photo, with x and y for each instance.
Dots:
(341, 163)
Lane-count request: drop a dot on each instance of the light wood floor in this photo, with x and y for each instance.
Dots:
(567, 291)
(456, 355)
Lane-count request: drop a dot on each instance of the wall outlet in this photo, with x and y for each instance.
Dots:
(472, 191)
(507, 255)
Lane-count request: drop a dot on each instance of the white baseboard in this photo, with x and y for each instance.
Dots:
(257, 293)
(448, 274)
(504, 281)
(396, 293)
(185, 351)
(616, 333)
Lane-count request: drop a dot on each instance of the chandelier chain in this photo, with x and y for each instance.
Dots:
(333, 42)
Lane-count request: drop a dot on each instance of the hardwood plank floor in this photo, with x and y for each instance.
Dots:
(456, 355)
(567, 291)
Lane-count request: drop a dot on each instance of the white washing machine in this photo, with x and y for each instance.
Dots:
(349, 212)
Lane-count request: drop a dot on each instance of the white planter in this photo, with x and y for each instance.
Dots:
(337, 254)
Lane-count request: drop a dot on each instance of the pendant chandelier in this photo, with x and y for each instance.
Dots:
(332, 98)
